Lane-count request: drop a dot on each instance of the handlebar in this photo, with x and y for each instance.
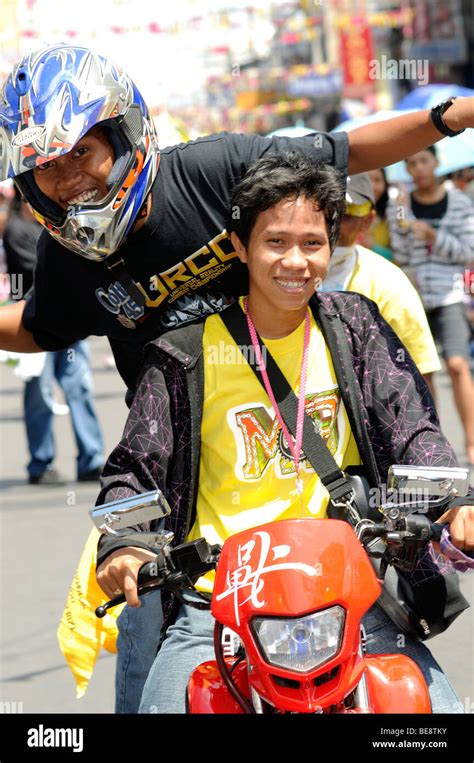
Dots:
(381, 531)
(436, 530)
(402, 538)
(174, 568)
(178, 568)
(148, 574)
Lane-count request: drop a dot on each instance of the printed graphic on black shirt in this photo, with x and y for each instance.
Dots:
(115, 299)
(190, 308)
(178, 286)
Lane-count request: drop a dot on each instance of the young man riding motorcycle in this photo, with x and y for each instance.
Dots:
(149, 228)
(77, 138)
(204, 431)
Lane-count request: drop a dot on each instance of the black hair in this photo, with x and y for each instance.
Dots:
(277, 177)
(381, 205)
(432, 149)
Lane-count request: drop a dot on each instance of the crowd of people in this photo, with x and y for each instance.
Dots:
(151, 248)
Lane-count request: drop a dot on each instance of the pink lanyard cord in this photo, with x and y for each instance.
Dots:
(294, 445)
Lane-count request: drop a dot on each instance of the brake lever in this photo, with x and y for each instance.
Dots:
(146, 581)
(102, 610)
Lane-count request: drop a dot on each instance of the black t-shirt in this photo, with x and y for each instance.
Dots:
(433, 212)
(20, 241)
(182, 257)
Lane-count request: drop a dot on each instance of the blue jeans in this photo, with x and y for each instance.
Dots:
(189, 641)
(138, 640)
(71, 369)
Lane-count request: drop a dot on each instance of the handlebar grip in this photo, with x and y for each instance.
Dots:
(436, 530)
(148, 573)
(375, 531)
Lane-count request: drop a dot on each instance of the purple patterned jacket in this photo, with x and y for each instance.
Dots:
(161, 441)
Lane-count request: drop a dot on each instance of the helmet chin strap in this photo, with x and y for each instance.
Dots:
(116, 265)
(114, 262)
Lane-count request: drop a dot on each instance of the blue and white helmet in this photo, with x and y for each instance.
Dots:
(53, 97)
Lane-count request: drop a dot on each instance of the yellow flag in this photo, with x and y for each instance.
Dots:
(81, 634)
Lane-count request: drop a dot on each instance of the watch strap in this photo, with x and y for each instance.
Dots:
(438, 121)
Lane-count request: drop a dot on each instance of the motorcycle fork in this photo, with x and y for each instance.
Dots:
(361, 697)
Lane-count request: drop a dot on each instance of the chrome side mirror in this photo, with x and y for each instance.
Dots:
(422, 484)
(117, 517)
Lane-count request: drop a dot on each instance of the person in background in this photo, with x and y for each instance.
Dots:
(463, 180)
(354, 267)
(70, 368)
(432, 234)
(377, 236)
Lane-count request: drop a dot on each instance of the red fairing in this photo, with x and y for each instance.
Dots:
(396, 684)
(289, 569)
(207, 692)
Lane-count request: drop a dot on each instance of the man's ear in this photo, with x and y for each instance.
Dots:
(366, 221)
(239, 247)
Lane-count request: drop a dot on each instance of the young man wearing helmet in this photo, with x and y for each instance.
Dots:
(130, 284)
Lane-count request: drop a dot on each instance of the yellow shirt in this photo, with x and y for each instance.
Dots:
(380, 232)
(399, 303)
(247, 477)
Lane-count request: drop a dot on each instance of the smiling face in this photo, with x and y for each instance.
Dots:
(287, 257)
(80, 175)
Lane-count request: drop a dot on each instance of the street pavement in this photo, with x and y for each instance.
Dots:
(43, 530)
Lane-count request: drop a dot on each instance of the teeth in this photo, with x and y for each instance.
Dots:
(291, 284)
(84, 197)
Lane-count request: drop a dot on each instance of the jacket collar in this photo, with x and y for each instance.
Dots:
(184, 343)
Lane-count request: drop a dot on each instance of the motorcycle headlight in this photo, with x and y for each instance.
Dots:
(301, 644)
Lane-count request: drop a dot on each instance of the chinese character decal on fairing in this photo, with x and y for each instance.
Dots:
(253, 565)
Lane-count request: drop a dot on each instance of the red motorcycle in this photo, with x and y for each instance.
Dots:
(295, 592)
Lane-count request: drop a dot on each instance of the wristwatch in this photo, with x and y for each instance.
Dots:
(437, 118)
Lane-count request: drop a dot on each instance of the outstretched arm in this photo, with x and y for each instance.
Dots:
(379, 144)
(13, 335)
